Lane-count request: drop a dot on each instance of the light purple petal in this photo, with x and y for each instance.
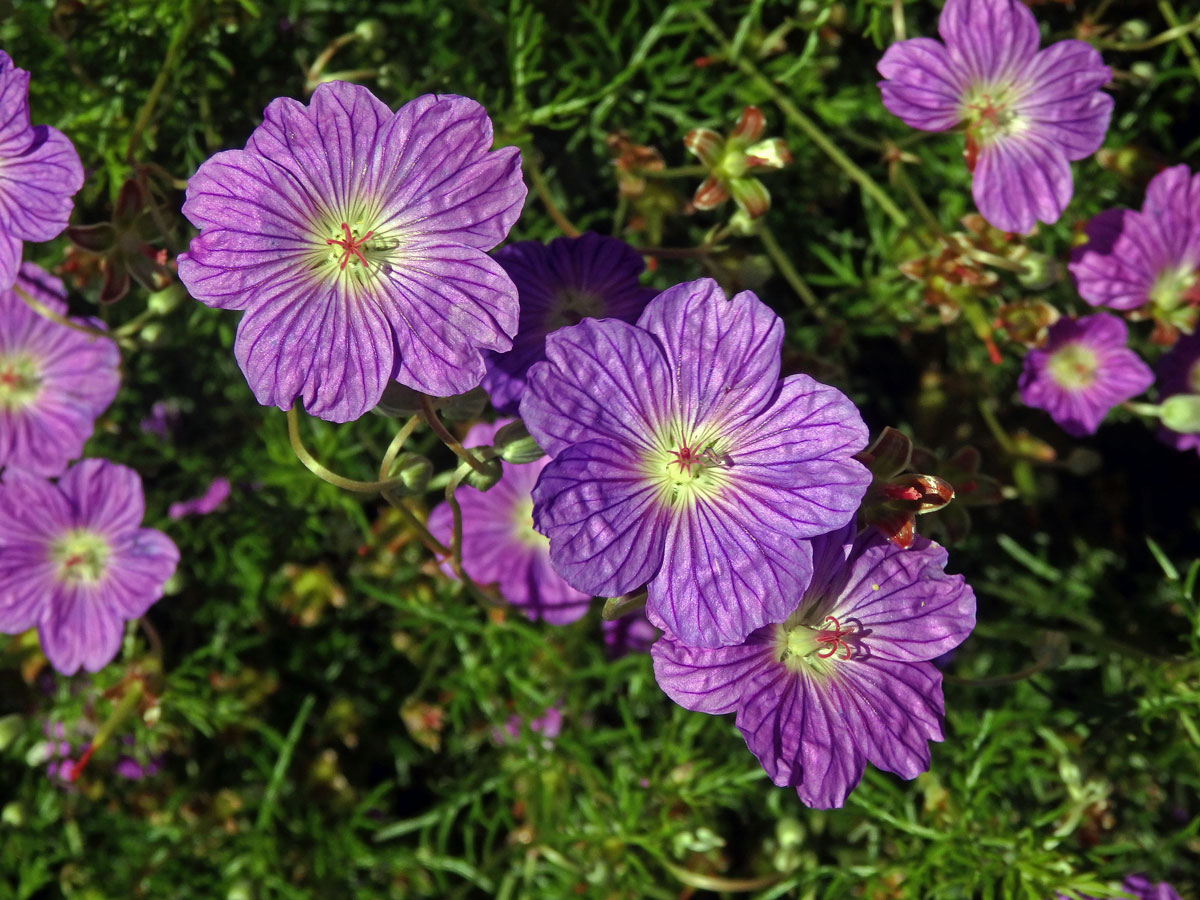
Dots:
(724, 354)
(137, 571)
(601, 380)
(605, 522)
(1021, 179)
(106, 496)
(923, 87)
(726, 576)
(78, 629)
(1117, 266)
(1064, 100)
(711, 681)
(1174, 190)
(446, 303)
(10, 259)
(988, 40)
(37, 184)
(285, 347)
(15, 130)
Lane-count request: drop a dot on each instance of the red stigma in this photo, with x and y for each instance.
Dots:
(685, 457)
(350, 246)
(77, 768)
(834, 638)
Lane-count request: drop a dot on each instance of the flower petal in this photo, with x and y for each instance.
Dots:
(923, 87)
(106, 496)
(1119, 264)
(138, 569)
(37, 184)
(988, 40)
(606, 527)
(1020, 179)
(78, 629)
(1063, 99)
(601, 380)
(710, 681)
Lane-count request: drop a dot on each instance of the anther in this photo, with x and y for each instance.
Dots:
(834, 638)
(350, 246)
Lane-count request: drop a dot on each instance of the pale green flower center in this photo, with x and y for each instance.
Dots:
(806, 645)
(572, 306)
(1073, 366)
(988, 110)
(523, 529)
(1174, 287)
(688, 465)
(20, 380)
(80, 556)
(352, 248)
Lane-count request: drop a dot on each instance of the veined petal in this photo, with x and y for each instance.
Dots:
(710, 681)
(441, 178)
(1021, 179)
(606, 526)
(284, 348)
(137, 571)
(78, 629)
(989, 40)
(107, 496)
(601, 380)
(727, 576)
(923, 87)
(10, 259)
(892, 709)
(1063, 99)
(1175, 190)
(724, 354)
(15, 130)
(800, 736)
(37, 184)
(446, 304)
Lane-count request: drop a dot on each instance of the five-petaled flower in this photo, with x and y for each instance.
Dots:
(39, 173)
(354, 240)
(1027, 112)
(681, 460)
(1084, 370)
(54, 380)
(75, 563)
(846, 678)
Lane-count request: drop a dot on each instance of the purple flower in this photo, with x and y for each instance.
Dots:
(163, 419)
(1149, 257)
(218, 491)
(54, 380)
(682, 461)
(1179, 373)
(74, 562)
(499, 544)
(1144, 889)
(548, 725)
(845, 680)
(1027, 112)
(559, 284)
(631, 633)
(354, 240)
(1083, 371)
(39, 173)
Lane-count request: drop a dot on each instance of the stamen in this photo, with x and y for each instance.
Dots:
(350, 246)
(834, 638)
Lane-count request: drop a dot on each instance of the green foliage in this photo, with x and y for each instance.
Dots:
(330, 712)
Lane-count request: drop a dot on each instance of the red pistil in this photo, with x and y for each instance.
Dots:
(9, 377)
(77, 769)
(834, 638)
(350, 246)
(685, 457)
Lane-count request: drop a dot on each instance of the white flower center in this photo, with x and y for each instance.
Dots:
(20, 380)
(81, 556)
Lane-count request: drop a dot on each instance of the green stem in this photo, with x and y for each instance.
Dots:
(1163, 37)
(788, 271)
(160, 83)
(914, 198)
(47, 313)
(396, 445)
(310, 463)
(1185, 42)
(674, 172)
(543, 191)
(429, 414)
(432, 544)
(313, 75)
(805, 124)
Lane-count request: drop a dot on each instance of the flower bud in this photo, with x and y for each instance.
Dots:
(464, 406)
(413, 471)
(514, 444)
(398, 401)
(485, 480)
(370, 31)
(1181, 413)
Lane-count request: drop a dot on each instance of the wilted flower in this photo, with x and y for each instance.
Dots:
(354, 239)
(39, 173)
(1027, 112)
(499, 544)
(54, 380)
(682, 461)
(1133, 259)
(1084, 370)
(75, 563)
(846, 678)
(558, 284)
(733, 161)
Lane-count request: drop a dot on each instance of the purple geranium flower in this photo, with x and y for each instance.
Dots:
(54, 380)
(354, 239)
(1027, 112)
(1149, 257)
(682, 461)
(1083, 371)
(499, 544)
(1179, 373)
(1140, 887)
(39, 173)
(559, 284)
(846, 679)
(75, 563)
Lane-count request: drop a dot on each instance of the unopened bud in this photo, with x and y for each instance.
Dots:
(413, 471)
(370, 31)
(162, 302)
(483, 480)
(398, 401)
(1181, 413)
(514, 444)
(464, 406)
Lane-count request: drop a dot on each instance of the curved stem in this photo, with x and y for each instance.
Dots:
(47, 313)
(429, 414)
(396, 445)
(432, 544)
(310, 463)
(543, 191)
(788, 271)
(805, 124)
(160, 82)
